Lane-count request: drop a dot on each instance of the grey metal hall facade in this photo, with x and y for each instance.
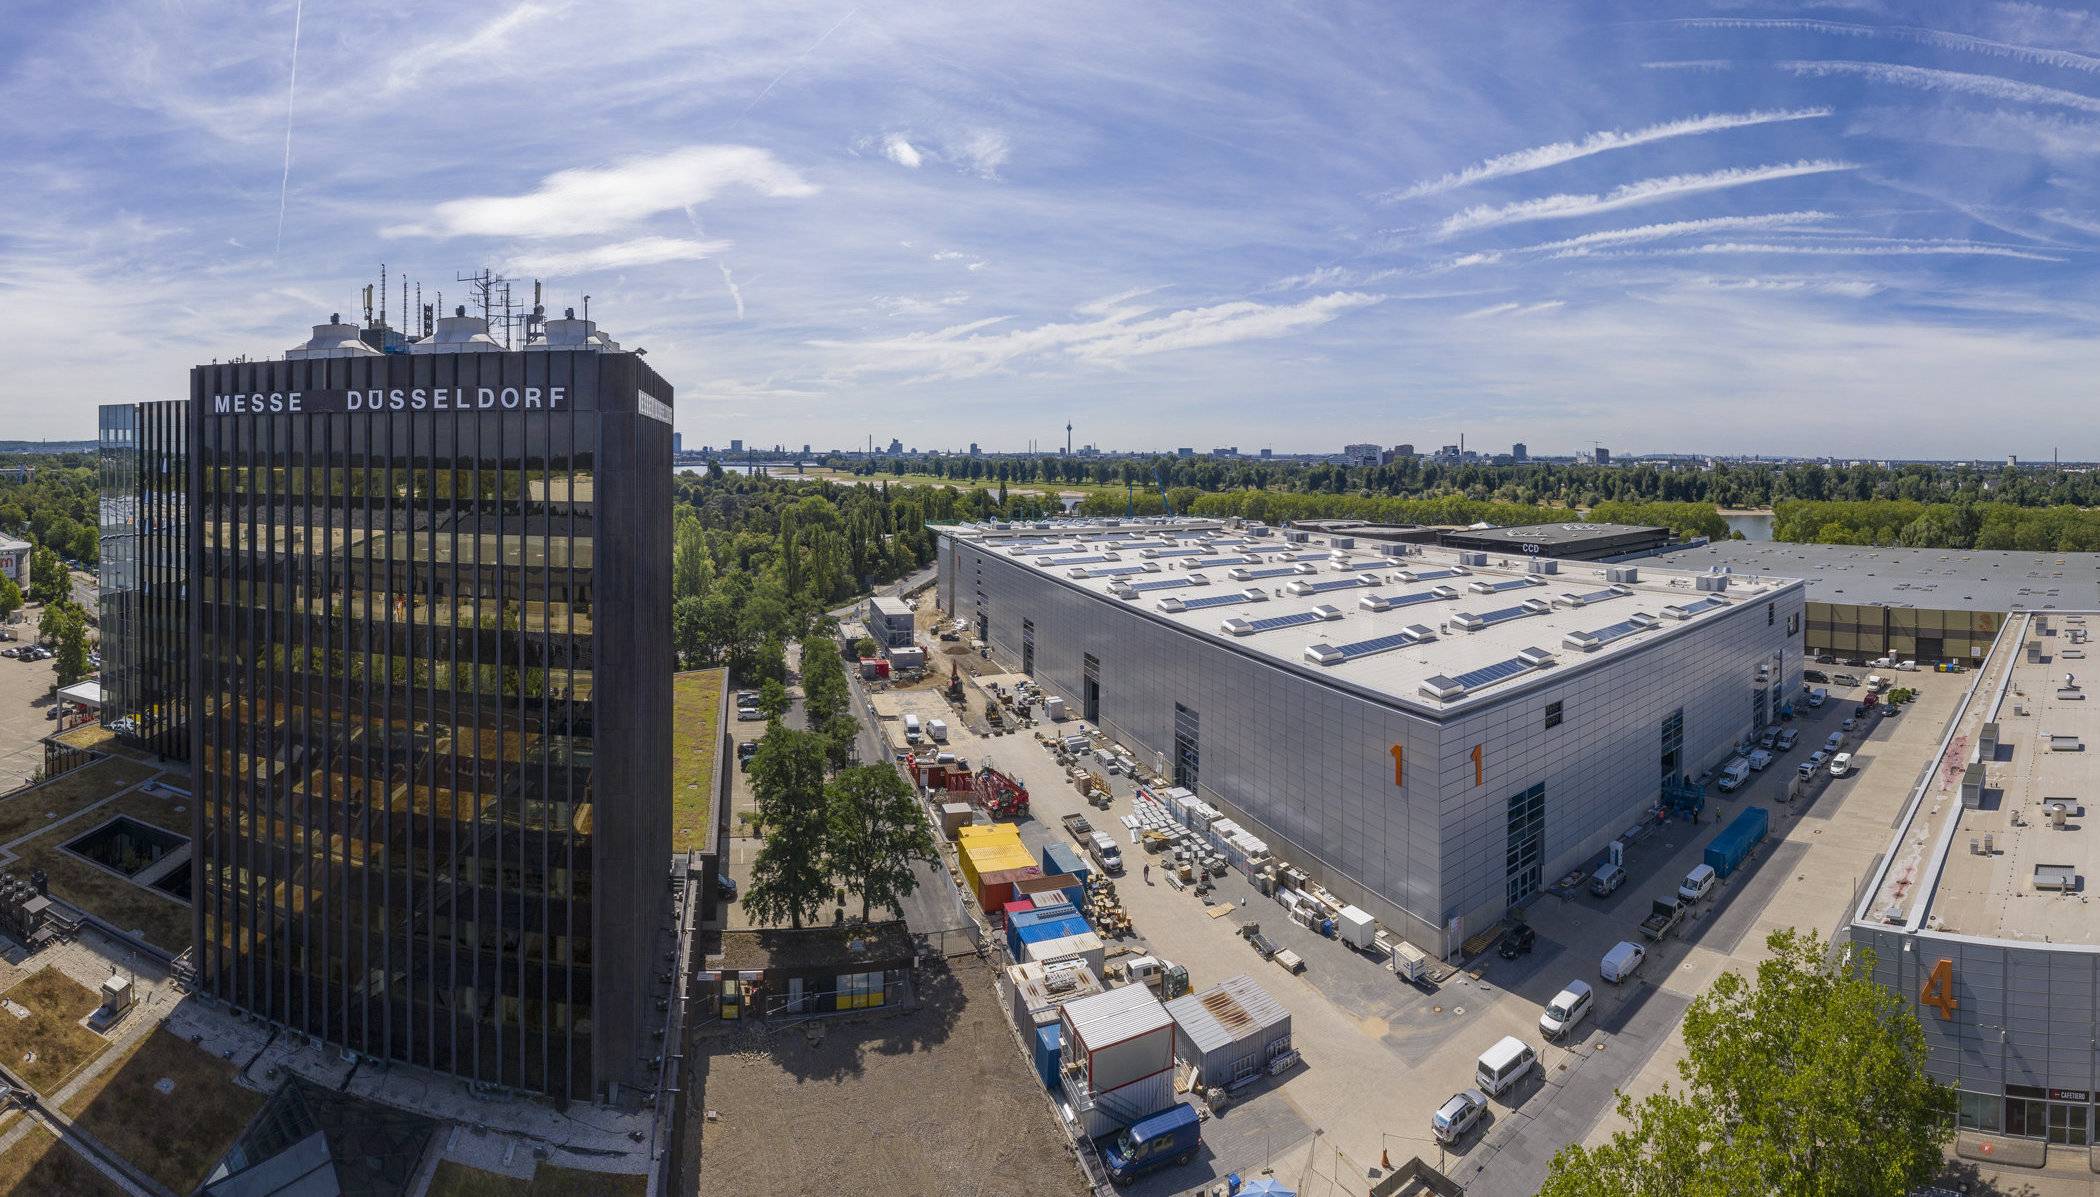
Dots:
(429, 693)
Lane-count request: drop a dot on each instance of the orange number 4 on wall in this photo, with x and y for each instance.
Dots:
(1939, 989)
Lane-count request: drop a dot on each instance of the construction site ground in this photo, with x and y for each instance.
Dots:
(936, 1099)
(1380, 1054)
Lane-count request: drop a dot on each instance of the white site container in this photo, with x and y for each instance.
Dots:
(1355, 927)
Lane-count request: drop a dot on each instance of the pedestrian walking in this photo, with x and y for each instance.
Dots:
(1148, 874)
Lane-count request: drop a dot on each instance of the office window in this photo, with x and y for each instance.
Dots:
(1525, 857)
(1187, 753)
(1552, 714)
(1771, 613)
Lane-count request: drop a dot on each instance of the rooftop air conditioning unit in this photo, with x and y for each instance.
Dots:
(1545, 567)
(1622, 574)
(1472, 557)
(1713, 582)
(1341, 542)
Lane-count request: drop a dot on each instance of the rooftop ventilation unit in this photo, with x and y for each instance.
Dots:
(1393, 548)
(458, 333)
(1430, 575)
(1622, 574)
(1473, 557)
(1115, 571)
(1544, 567)
(1537, 658)
(1130, 590)
(1092, 559)
(571, 333)
(1209, 562)
(1447, 689)
(1173, 552)
(333, 339)
(1712, 582)
(1296, 537)
(1175, 606)
(1341, 542)
(1474, 622)
(1237, 626)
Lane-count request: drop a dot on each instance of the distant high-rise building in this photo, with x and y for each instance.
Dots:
(1267, 453)
(896, 447)
(1403, 450)
(1184, 452)
(1360, 455)
(1603, 455)
(973, 448)
(1518, 453)
(736, 446)
(677, 443)
(2012, 461)
(1228, 451)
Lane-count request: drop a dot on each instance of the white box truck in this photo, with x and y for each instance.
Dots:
(1356, 928)
(938, 729)
(911, 729)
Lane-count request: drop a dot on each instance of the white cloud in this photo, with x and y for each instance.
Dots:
(2084, 224)
(1645, 191)
(969, 350)
(1574, 246)
(900, 151)
(1512, 309)
(1857, 249)
(620, 255)
(410, 68)
(1846, 288)
(1541, 157)
(1936, 38)
(982, 151)
(1990, 87)
(1689, 64)
(602, 200)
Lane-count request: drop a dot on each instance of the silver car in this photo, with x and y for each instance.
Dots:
(1455, 1117)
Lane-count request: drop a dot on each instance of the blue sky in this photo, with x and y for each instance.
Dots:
(1857, 228)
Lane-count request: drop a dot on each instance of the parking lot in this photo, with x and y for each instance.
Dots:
(1380, 1054)
(25, 701)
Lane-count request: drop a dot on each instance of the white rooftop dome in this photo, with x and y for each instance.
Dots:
(333, 339)
(458, 333)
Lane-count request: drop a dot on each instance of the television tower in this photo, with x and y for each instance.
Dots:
(1068, 438)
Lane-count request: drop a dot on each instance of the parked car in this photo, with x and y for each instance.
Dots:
(725, 887)
(1568, 1007)
(1167, 1138)
(1769, 739)
(1815, 675)
(1455, 1117)
(10, 652)
(1851, 721)
(1518, 940)
(1503, 1065)
(1835, 742)
(1787, 739)
(1846, 679)
(1622, 961)
(744, 752)
(1759, 760)
(1697, 883)
(1606, 879)
(1814, 762)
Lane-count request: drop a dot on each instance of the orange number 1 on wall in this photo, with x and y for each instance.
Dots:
(1399, 755)
(1477, 777)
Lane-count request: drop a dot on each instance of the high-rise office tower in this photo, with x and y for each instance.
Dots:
(429, 698)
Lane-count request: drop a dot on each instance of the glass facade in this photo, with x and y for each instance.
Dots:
(422, 836)
(143, 462)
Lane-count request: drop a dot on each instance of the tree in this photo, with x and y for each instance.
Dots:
(866, 647)
(773, 700)
(790, 878)
(688, 631)
(71, 663)
(1809, 1081)
(56, 616)
(48, 580)
(10, 597)
(877, 833)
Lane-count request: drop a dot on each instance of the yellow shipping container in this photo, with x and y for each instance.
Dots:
(992, 855)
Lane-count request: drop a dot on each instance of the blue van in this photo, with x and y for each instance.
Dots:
(1153, 1142)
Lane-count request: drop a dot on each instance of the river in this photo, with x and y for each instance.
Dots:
(1754, 525)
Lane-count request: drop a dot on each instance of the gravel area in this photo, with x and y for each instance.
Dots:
(934, 1100)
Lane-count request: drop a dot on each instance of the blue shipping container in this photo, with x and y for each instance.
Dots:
(1064, 860)
(1033, 926)
(1049, 1042)
(1733, 845)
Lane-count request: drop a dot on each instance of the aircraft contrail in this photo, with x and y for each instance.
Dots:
(291, 96)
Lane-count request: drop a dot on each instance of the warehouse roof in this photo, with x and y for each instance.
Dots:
(2005, 868)
(1556, 535)
(1933, 579)
(894, 607)
(1429, 628)
(1115, 1015)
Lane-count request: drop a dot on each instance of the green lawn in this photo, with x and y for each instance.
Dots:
(50, 1045)
(174, 1137)
(32, 807)
(696, 735)
(40, 1165)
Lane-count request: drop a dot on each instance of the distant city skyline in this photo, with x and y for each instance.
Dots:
(1703, 232)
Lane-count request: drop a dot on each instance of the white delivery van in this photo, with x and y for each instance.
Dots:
(1622, 961)
(1841, 764)
(938, 729)
(1503, 1065)
(1105, 853)
(1759, 760)
(1733, 777)
(1697, 883)
(911, 729)
(1568, 1007)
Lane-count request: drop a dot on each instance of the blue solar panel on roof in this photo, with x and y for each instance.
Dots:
(1209, 561)
(1431, 575)
(1619, 631)
(1510, 584)
(1113, 571)
(1598, 596)
(1330, 584)
(1164, 584)
(1215, 600)
(1278, 572)
(1269, 548)
(1271, 623)
(1504, 615)
(1176, 552)
(1072, 561)
(1308, 556)
(1705, 604)
(1482, 676)
(1409, 600)
(1371, 647)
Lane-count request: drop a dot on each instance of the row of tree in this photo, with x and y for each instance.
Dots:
(59, 507)
(856, 834)
(1963, 525)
